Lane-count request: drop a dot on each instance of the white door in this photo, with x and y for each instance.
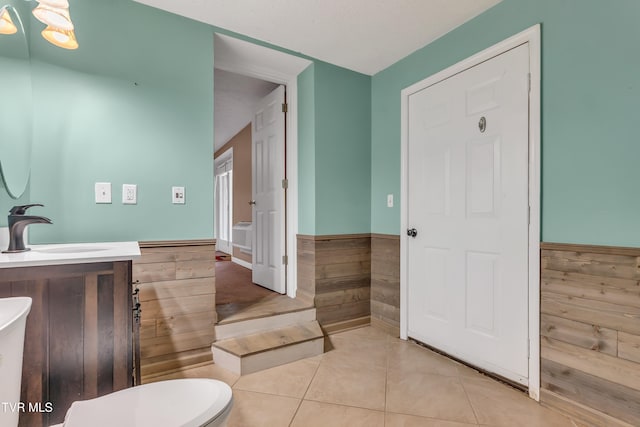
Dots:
(224, 204)
(468, 202)
(268, 154)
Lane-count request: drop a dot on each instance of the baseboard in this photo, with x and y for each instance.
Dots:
(580, 412)
(345, 325)
(392, 330)
(242, 263)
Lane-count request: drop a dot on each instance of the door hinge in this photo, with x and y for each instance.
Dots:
(285, 183)
(285, 107)
(285, 259)
(529, 216)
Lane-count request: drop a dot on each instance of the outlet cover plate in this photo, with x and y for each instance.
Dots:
(129, 194)
(103, 192)
(177, 195)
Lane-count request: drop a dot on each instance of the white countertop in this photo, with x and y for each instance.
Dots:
(71, 253)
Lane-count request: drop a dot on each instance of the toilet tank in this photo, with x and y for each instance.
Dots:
(13, 318)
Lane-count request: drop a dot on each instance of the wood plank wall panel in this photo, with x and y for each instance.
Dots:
(177, 296)
(335, 271)
(590, 332)
(385, 282)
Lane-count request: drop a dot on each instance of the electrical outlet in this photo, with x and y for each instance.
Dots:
(103, 192)
(177, 195)
(389, 200)
(129, 194)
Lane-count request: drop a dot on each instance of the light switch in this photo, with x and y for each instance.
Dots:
(129, 194)
(177, 195)
(103, 192)
(389, 200)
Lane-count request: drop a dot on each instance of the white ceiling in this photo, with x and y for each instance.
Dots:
(235, 97)
(361, 35)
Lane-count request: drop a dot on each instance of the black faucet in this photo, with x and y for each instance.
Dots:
(17, 223)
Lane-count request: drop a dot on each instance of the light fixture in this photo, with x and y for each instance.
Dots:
(60, 28)
(65, 39)
(6, 23)
(53, 16)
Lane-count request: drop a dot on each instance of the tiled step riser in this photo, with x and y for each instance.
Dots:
(253, 326)
(268, 359)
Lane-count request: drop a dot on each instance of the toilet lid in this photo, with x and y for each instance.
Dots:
(172, 403)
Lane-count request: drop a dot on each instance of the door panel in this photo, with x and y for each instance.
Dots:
(268, 153)
(468, 199)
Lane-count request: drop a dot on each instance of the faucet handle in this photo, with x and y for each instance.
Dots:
(21, 210)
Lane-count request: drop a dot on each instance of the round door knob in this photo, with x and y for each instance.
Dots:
(252, 202)
(412, 232)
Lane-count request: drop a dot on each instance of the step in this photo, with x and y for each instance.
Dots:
(266, 349)
(261, 324)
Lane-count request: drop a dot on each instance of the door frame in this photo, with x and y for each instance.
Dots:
(532, 37)
(271, 65)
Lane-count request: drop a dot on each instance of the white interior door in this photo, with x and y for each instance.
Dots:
(467, 266)
(268, 154)
(224, 205)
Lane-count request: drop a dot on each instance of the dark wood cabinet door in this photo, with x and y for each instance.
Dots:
(79, 342)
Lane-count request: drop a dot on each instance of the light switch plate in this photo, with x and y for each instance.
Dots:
(389, 200)
(103, 192)
(129, 194)
(177, 195)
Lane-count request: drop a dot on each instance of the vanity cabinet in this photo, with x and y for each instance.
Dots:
(80, 336)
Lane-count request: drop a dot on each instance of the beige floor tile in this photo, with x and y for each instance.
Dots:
(208, 371)
(261, 410)
(350, 385)
(433, 396)
(291, 379)
(409, 358)
(317, 414)
(502, 406)
(349, 349)
(401, 420)
(366, 332)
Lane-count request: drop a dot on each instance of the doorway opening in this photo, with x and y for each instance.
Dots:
(252, 272)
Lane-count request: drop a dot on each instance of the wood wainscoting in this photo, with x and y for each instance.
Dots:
(334, 272)
(385, 283)
(590, 332)
(177, 296)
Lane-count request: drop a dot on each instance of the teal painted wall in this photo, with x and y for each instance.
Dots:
(133, 105)
(306, 152)
(342, 150)
(7, 202)
(590, 98)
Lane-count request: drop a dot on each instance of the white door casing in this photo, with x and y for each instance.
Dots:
(470, 278)
(224, 201)
(268, 173)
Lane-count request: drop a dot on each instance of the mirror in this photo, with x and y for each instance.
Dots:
(15, 102)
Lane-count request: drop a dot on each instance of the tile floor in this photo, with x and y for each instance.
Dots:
(371, 379)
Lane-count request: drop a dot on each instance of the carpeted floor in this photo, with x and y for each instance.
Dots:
(234, 286)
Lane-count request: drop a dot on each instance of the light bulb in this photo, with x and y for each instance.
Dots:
(54, 16)
(65, 39)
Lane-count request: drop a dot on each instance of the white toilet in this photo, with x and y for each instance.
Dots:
(185, 403)
(13, 319)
